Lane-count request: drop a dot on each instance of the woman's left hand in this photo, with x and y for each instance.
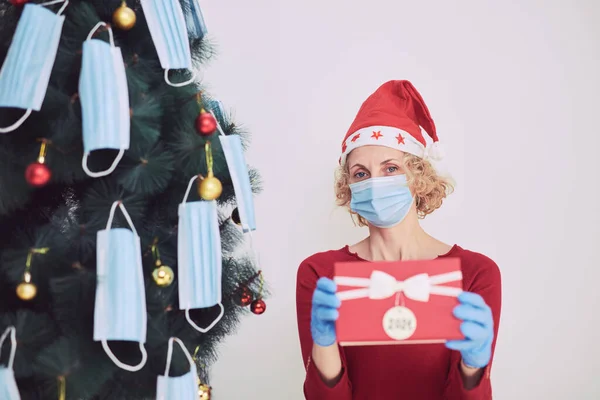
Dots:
(478, 328)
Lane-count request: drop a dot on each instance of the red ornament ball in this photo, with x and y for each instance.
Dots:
(206, 124)
(245, 297)
(258, 307)
(18, 2)
(37, 174)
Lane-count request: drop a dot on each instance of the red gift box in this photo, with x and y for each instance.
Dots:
(398, 302)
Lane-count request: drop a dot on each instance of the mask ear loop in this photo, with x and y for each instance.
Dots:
(104, 341)
(113, 166)
(49, 3)
(187, 311)
(181, 83)
(21, 120)
(13, 344)
(170, 355)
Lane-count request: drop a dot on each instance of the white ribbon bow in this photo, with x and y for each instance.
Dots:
(382, 285)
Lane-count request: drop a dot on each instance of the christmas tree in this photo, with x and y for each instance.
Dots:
(125, 203)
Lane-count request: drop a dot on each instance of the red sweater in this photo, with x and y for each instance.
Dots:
(395, 372)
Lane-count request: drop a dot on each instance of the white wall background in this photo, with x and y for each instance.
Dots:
(514, 89)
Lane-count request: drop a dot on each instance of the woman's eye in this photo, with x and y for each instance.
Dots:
(360, 175)
(392, 169)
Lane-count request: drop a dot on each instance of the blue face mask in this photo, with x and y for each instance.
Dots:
(120, 308)
(199, 261)
(104, 100)
(168, 30)
(194, 19)
(238, 170)
(26, 70)
(179, 387)
(384, 201)
(8, 385)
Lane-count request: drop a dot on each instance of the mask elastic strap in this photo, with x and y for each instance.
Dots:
(189, 188)
(208, 328)
(170, 354)
(179, 84)
(100, 174)
(16, 124)
(49, 3)
(125, 213)
(130, 368)
(218, 125)
(13, 344)
(110, 32)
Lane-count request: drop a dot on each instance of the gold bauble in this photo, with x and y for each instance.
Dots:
(210, 188)
(124, 17)
(163, 276)
(204, 391)
(26, 290)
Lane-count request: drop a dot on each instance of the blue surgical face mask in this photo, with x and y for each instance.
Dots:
(238, 170)
(120, 308)
(383, 201)
(199, 262)
(194, 19)
(184, 387)
(104, 100)
(8, 384)
(167, 26)
(26, 70)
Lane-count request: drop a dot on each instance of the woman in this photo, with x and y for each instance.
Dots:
(388, 183)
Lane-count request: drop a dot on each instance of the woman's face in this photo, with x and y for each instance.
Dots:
(374, 161)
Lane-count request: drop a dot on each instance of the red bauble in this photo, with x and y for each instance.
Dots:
(245, 297)
(18, 2)
(258, 307)
(206, 124)
(37, 174)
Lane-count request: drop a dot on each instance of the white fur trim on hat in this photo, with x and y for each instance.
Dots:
(383, 136)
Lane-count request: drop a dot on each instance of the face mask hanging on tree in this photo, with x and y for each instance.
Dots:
(120, 308)
(26, 70)
(238, 170)
(199, 255)
(194, 19)
(180, 387)
(8, 385)
(168, 30)
(104, 100)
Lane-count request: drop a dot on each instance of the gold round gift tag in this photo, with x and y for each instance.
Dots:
(399, 323)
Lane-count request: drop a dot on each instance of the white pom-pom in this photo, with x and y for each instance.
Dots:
(434, 152)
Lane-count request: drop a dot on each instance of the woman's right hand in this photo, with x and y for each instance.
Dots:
(324, 313)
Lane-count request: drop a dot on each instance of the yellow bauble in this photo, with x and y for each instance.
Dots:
(204, 391)
(163, 276)
(210, 188)
(124, 17)
(26, 290)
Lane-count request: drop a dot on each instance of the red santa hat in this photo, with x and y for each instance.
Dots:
(393, 117)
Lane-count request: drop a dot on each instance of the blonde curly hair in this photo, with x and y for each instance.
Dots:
(429, 188)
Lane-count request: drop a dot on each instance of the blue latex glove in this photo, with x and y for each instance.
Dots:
(478, 328)
(324, 312)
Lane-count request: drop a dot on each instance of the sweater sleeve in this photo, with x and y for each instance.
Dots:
(487, 283)
(314, 386)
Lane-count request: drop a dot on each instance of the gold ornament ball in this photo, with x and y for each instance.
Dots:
(204, 391)
(26, 290)
(210, 188)
(163, 276)
(124, 18)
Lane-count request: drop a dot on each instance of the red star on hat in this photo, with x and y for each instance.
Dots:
(344, 147)
(355, 137)
(400, 139)
(376, 135)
